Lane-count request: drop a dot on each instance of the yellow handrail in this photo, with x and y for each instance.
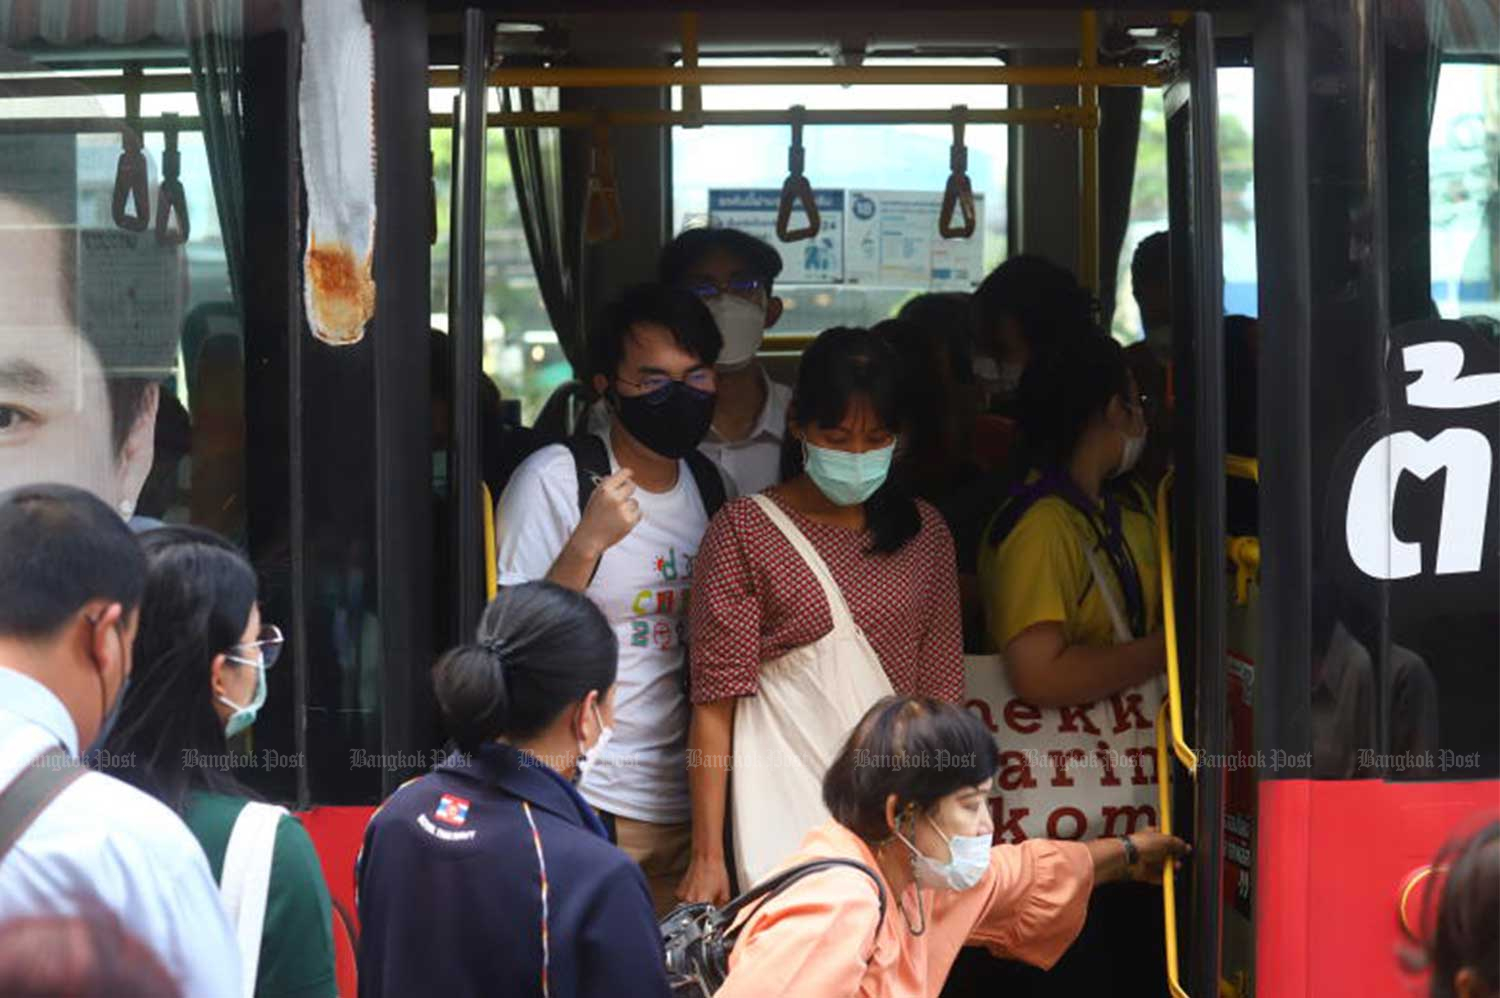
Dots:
(1169, 622)
(806, 76)
(1245, 553)
(1169, 870)
(1238, 466)
(491, 580)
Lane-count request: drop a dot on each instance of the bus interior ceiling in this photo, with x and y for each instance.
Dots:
(1043, 216)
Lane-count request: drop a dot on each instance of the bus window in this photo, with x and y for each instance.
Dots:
(1148, 199)
(521, 352)
(863, 284)
(162, 318)
(1463, 146)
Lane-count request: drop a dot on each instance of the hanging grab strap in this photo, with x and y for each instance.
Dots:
(130, 182)
(958, 196)
(602, 220)
(797, 190)
(170, 199)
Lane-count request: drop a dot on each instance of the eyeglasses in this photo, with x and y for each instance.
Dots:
(1143, 402)
(262, 652)
(740, 287)
(699, 380)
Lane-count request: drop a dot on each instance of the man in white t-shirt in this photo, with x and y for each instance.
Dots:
(734, 274)
(631, 550)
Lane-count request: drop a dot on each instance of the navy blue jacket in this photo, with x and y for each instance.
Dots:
(450, 890)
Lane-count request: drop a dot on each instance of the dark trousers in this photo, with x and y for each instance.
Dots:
(1118, 954)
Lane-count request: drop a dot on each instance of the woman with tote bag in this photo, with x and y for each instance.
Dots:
(811, 601)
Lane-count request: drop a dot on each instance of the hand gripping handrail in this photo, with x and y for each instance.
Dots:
(797, 190)
(958, 196)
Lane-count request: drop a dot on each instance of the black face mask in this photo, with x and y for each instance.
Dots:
(672, 420)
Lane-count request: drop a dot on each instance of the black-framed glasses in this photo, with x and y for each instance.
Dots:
(740, 287)
(262, 652)
(1143, 403)
(699, 379)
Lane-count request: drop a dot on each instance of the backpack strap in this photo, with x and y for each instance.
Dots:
(28, 795)
(245, 882)
(762, 892)
(591, 459)
(710, 482)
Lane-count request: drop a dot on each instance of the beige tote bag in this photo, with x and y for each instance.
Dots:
(786, 736)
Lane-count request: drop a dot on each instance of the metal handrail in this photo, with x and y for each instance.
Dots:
(1239, 466)
(1169, 869)
(1180, 746)
(593, 77)
(491, 569)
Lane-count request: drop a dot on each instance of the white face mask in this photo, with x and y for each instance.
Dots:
(742, 323)
(587, 756)
(1131, 456)
(969, 861)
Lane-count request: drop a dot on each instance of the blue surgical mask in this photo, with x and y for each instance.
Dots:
(244, 716)
(847, 479)
(969, 858)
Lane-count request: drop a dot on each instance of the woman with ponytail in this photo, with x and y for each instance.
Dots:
(491, 873)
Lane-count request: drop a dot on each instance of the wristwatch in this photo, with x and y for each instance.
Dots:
(1132, 852)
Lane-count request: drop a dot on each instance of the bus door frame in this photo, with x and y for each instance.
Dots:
(1198, 510)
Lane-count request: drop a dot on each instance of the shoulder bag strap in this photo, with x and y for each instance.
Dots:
(28, 795)
(730, 915)
(1123, 633)
(245, 882)
(591, 459)
(799, 542)
(710, 484)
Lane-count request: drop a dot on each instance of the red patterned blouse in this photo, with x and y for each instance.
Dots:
(754, 600)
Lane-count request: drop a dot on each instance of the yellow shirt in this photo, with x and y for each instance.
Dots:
(1040, 573)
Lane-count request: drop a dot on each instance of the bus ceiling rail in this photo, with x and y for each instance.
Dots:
(1180, 746)
(600, 77)
(1169, 870)
(1064, 116)
(1069, 116)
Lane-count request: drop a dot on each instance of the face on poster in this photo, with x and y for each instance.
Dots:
(88, 326)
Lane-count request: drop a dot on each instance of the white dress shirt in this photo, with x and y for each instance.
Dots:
(104, 842)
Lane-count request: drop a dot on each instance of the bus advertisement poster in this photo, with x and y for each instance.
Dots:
(819, 260)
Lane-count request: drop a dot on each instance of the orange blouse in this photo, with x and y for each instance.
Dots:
(818, 937)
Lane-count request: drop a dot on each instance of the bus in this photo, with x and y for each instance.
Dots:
(289, 303)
